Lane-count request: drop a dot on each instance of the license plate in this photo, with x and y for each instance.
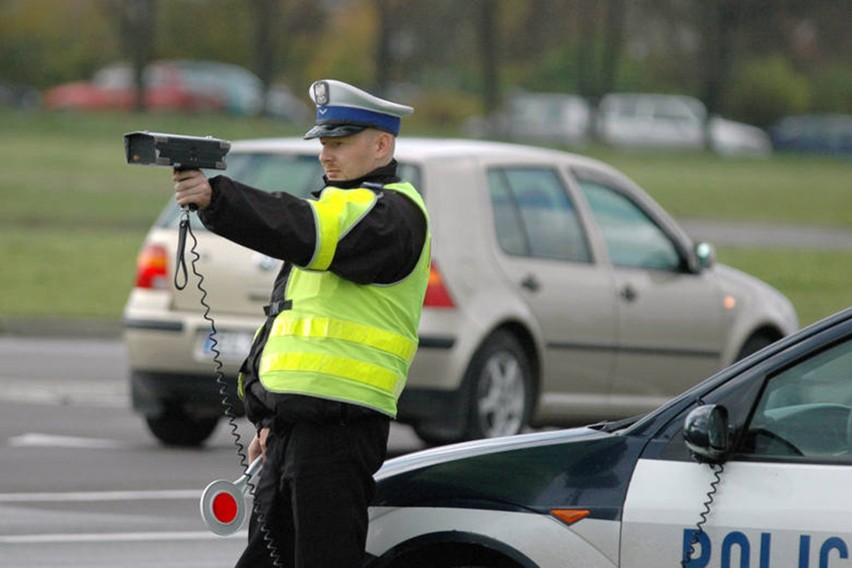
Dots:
(233, 346)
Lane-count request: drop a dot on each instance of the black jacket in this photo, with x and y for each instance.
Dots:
(382, 248)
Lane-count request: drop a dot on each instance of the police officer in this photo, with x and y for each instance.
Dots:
(322, 379)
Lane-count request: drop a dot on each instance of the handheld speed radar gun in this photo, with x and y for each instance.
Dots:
(178, 152)
(175, 150)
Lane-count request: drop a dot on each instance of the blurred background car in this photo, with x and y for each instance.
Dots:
(13, 95)
(645, 120)
(554, 118)
(651, 120)
(112, 88)
(730, 138)
(239, 90)
(282, 103)
(560, 293)
(813, 134)
(188, 85)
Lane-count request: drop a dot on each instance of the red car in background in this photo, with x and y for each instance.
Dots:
(112, 88)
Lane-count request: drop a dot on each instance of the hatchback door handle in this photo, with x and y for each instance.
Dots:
(629, 293)
(531, 283)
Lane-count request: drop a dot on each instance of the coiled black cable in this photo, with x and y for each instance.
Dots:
(185, 228)
(225, 398)
(699, 526)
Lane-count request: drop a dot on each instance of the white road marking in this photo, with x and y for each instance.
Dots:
(83, 496)
(37, 440)
(47, 391)
(65, 538)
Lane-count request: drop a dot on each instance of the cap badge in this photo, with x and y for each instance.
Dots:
(321, 93)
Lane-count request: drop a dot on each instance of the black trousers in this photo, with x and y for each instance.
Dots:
(313, 494)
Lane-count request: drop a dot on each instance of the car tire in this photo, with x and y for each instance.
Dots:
(176, 428)
(499, 384)
(447, 555)
(433, 437)
(754, 344)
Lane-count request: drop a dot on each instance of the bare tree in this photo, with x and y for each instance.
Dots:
(266, 15)
(389, 12)
(488, 50)
(137, 24)
(613, 45)
(720, 26)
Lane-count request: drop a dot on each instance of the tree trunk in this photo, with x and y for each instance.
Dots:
(613, 44)
(384, 57)
(266, 26)
(488, 46)
(721, 27)
(137, 20)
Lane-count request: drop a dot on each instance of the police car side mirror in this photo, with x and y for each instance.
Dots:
(707, 434)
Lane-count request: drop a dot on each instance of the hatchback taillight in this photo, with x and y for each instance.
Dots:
(437, 295)
(152, 268)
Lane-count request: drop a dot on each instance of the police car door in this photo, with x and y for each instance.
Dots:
(784, 497)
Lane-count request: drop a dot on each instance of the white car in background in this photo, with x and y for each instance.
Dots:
(560, 293)
(648, 120)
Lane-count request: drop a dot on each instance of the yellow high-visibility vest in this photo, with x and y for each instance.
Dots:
(341, 340)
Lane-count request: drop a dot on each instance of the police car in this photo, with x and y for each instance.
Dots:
(750, 468)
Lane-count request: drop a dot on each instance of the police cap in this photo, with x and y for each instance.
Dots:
(343, 110)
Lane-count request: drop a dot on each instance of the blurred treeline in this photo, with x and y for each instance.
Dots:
(751, 60)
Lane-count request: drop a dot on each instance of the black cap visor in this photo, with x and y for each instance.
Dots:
(334, 130)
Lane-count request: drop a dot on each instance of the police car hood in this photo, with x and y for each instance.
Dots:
(580, 467)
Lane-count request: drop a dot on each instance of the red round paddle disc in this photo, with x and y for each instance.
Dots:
(225, 508)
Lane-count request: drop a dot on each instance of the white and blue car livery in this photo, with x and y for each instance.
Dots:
(751, 468)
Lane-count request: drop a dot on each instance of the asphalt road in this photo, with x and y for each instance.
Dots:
(83, 484)
(767, 235)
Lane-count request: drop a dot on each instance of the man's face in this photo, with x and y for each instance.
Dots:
(350, 157)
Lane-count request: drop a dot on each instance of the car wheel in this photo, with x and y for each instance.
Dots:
(499, 383)
(445, 555)
(176, 428)
(431, 437)
(754, 344)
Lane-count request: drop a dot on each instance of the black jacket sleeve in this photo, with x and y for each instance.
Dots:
(276, 224)
(382, 248)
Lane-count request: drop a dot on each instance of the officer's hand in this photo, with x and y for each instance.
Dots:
(192, 188)
(258, 444)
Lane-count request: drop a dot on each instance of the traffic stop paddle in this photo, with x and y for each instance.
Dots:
(223, 503)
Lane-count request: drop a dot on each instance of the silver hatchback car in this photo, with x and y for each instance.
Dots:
(560, 293)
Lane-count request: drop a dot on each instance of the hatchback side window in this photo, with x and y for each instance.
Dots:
(534, 215)
(806, 411)
(633, 239)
